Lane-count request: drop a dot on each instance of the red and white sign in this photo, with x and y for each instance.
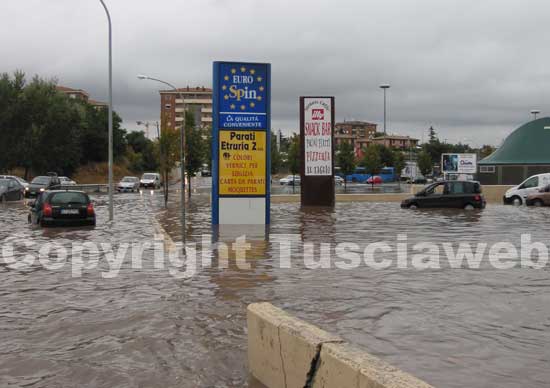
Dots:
(317, 136)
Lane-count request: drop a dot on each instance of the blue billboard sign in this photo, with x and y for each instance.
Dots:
(241, 143)
(242, 95)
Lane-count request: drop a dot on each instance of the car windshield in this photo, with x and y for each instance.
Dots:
(149, 176)
(128, 179)
(22, 181)
(41, 180)
(68, 197)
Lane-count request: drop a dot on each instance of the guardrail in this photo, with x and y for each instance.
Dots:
(88, 188)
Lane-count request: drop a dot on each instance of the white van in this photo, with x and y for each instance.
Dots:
(517, 194)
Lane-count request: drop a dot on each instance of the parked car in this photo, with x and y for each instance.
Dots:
(62, 208)
(518, 194)
(290, 180)
(448, 194)
(540, 198)
(21, 181)
(11, 190)
(128, 183)
(65, 181)
(41, 184)
(375, 180)
(150, 179)
(338, 180)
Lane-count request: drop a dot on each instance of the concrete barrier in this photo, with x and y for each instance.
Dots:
(493, 194)
(284, 351)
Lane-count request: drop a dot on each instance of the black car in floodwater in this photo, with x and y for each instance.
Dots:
(42, 183)
(62, 208)
(448, 194)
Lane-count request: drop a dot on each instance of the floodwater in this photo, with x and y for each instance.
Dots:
(451, 327)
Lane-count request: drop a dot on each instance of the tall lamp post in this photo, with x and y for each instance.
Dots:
(535, 112)
(110, 119)
(384, 87)
(182, 148)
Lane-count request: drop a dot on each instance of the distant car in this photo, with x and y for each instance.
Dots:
(290, 180)
(150, 179)
(65, 181)
(11, 190)
(338, 180)
(540, 198)
(205, 172)
(448, 194)
(41, 184)
(23, 182)
(128, 183)
(62, 208)
(376, 180)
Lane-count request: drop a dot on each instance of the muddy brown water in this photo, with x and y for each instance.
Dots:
(145, 328)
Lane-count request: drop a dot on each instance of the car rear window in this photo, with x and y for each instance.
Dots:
(66, 198)
(41, 180)
(149, 176)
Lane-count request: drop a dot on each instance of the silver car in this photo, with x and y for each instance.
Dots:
(128, 183)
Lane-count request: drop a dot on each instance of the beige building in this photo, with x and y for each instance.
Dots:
(197, 100)
(353, 132)
(79, 94)
(391, 141)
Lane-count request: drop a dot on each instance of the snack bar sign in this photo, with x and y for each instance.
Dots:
(317, 136)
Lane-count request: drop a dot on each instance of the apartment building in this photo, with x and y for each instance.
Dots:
(80, 94)
(353, 132)
(197, 100)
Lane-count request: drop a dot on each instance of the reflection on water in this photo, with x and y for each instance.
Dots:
(453, 328)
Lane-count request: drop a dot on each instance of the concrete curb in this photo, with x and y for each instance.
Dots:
(284, 351)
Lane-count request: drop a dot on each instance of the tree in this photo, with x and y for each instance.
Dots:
(275, 155)
(372, 162)
(141, 152)
(345, 158)
(398, 164)
(432, 135)
(169, 149)
(486, 150)
(386, 154)
(95, 135)
(294, 156)
(425, 163)
(195, 148)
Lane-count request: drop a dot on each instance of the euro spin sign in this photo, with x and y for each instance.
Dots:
(242, 96)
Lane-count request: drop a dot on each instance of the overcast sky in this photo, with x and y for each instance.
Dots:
(472, 69)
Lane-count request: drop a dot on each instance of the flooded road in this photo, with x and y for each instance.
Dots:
(452, 327)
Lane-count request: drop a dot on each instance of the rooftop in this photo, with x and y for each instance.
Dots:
(528, 144)
(198, 89)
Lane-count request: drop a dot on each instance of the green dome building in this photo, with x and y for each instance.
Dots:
(525, 152)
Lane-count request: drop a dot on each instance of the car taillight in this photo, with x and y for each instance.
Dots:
(477, 198)
(90, 209)
(47, 210)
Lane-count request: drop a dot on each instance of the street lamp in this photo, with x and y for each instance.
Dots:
(385, 87)
(182, 148)
(110, 119)
(535, 112)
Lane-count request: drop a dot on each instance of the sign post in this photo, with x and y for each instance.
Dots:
(317, 151)
(241, 141)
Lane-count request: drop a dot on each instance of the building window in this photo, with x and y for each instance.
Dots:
(487, 169)
(168, 106)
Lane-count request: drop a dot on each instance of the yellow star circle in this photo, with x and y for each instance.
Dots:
(261, 88)
(252, 71)
(232, 106)
(226, 97)
(233, 71)
(226, 78)
(224, 87)
(243, 107)
(259, 98)
(243, 69)
(252, 105)
(259, 79)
